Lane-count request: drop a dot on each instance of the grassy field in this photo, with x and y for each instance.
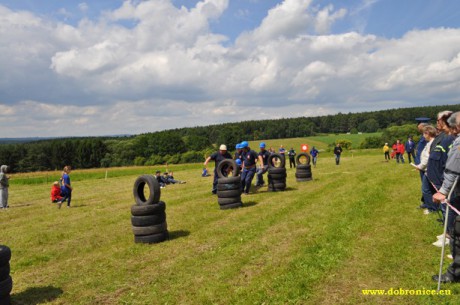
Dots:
(354, 227)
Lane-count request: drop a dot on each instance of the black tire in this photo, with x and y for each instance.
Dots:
(150, 209)
(229, 180)
(5, 255)
(149, 230)
(303, 175)
(304, 179)
(148, 220)
(5, 300)
(277, 176)
(6, 286)
(304, 167)
(4, 272)
(231, 206)
(277, 156)
(224, 164)
(151, 239)
(229, 194)
(277, 185)
(229, 186)
(276, 170)
(297, 159)
(276, 189)
(138, 190)
(225, 201)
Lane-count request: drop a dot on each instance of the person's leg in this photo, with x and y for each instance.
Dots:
(69, 198)
(243, 179)
(2, 199)
(454, 269)
(214, 183)
(248, 179)
(427, 191)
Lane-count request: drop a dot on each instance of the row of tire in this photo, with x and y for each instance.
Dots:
(6, 282)
(303, 170)
(148, 215)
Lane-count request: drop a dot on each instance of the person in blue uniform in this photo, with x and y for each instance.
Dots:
(291, 154)
(250, 158)
(410, 149)
(238, 152)
(314, 155)
(263, 166)
(222, 154)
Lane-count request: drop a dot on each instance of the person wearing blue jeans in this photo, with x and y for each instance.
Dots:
(250, 158)
(337, 153)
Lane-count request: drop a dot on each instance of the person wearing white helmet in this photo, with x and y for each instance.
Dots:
(263, 166)
(218, 156)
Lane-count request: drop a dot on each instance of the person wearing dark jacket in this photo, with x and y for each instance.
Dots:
(219, 156)
(337, 152)
(410, 149)
(291, 154)
(250, 158)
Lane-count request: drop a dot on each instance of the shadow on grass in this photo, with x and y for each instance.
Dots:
(77, 206)
(249, 204)
(36, 295)
(178, 234)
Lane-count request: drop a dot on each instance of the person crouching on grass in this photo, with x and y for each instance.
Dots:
(56, 194)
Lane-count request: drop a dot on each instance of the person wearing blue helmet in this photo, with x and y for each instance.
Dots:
(250, 159)
(263, 166)
(238, 155)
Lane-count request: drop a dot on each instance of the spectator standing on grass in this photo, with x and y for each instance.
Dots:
(250, 158)
(410, 149)
(4, 185)
(219, 156)
(282, 151)
(314, 155)
(66, 188)
(452, 173)
(399, 151)
(263, 166)
(337, 152)
(386, 152)
(291, 154)
(421, 124)
(429, 133)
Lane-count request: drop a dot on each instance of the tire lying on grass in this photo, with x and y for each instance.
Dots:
(149, 230)
(5, 255)
(150, 209)
(138, 190)
(228, 188)
(5, 287)
(151, 239)
(148, 220)
(4, 272)
(276, 179)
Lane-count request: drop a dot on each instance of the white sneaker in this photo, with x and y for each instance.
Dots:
(440, 236)
(426, 211)
(449, 256)
(440, 241)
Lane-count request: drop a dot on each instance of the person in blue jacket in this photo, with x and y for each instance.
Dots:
(410, 149)
(314, 155)
(250, 158)
(66, 188)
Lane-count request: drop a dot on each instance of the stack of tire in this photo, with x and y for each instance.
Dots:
(276, 173)
(303, 170)
(148, 216)
(6, 282)
(228, 188)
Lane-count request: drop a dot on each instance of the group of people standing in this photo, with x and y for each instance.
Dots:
(437, 158)
(398, 149)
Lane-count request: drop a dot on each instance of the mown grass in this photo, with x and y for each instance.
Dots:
(354, 227)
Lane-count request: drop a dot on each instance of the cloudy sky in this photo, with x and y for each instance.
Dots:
(75, 68)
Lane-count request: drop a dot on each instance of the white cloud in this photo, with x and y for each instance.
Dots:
(83, 6)
(169, 70)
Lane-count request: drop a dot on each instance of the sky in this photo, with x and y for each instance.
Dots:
(111, 67)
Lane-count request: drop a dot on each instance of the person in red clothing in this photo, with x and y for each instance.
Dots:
(393, 151)
(56, 194)
(399, 151)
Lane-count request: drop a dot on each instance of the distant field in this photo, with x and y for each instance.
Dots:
(354, 227)
(320, 142)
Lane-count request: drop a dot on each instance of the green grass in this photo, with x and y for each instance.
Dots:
(354, 227)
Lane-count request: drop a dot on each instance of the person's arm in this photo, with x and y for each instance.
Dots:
(261, 161)
(207, 161)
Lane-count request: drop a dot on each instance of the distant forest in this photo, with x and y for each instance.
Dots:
(192, 144)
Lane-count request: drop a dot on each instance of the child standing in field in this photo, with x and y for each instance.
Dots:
(66, 189)
(4, 184)
(56, 194)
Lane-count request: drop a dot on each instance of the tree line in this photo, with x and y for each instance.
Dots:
(185, 145)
